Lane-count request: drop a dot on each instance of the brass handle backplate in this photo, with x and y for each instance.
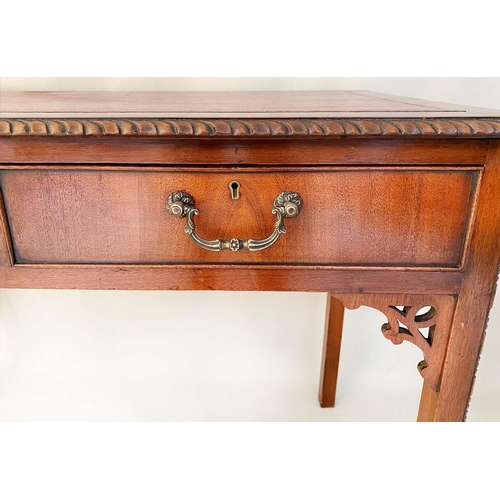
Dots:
(287, 205)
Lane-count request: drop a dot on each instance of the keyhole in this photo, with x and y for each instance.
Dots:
(234, 187)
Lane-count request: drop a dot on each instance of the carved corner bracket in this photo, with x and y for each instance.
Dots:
(425, 321)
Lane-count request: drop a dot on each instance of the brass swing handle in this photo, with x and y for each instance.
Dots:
(287, 205)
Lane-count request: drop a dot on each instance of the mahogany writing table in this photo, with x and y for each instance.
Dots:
(377, 200)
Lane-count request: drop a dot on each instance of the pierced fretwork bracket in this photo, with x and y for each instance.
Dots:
(423, 320)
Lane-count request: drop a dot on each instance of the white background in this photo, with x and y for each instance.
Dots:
(215, 356)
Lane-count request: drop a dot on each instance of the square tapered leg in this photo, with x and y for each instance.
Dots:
(331, 351)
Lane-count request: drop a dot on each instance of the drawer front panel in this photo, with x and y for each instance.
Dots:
(349, 217)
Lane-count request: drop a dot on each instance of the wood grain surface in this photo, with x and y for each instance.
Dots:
(125, 151)
(231, 278)
(300, 103)
(401, 202)
(474, 301)
(330, 360)
(395, 218)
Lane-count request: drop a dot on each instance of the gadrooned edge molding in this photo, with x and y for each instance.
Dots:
(249, 128)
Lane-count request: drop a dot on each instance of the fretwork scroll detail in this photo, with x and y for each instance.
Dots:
(425, 322)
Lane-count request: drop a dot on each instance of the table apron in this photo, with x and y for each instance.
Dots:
(234, 278)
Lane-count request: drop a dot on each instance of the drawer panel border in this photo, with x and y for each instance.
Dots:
(9, 255)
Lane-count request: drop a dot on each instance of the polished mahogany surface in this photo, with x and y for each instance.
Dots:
(120, 217)
(298, 103)
(400, 208)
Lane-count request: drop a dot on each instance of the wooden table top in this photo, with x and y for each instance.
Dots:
(238, 114)
(264, 104)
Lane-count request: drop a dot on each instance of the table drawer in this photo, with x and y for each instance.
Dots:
(378, 216)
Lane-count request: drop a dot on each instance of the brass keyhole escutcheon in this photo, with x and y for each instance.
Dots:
(234, 187)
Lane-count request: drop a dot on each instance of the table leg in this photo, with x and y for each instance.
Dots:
(450, 402)
(331, 351)
(480, 268)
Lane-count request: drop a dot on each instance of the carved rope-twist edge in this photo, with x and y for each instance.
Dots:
(225, 127)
